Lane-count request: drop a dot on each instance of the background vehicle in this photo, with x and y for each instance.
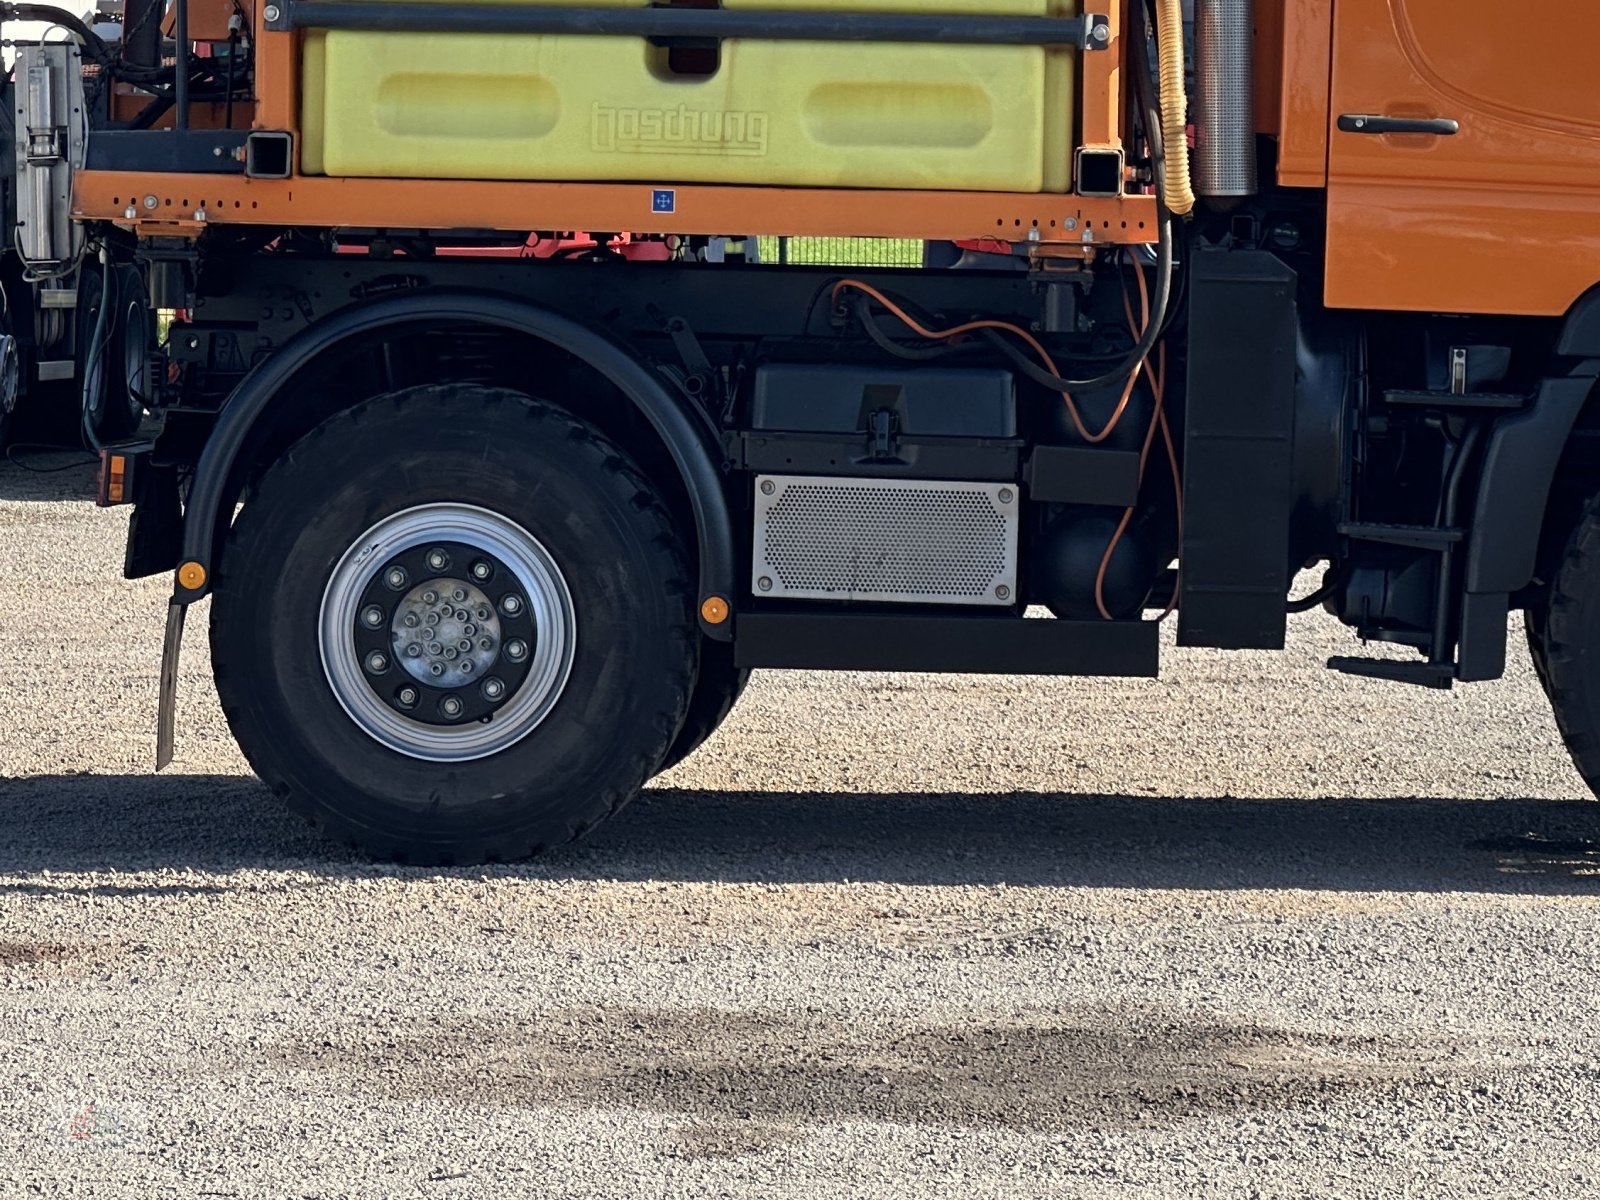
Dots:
(513, 532)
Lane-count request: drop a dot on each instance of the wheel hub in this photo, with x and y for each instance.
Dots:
(447, 632)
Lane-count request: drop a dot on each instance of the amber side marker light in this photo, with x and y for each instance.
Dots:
(714, 611)
(114, 484)
(192, 576)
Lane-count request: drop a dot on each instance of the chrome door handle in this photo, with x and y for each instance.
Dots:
(1367, 123)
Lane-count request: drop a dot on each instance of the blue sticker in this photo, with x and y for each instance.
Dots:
(664, 200)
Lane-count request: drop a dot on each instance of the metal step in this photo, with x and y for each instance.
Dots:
(1417, 537)
(1450, 400)
(1441, 676)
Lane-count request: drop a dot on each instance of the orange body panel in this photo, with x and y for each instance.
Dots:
(1304, 64)
(1503, 217)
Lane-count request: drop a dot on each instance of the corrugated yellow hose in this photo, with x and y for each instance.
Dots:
(1174, 106)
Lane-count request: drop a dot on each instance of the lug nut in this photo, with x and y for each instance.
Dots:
(432, 618)
(464, 645)
(396, 577)
(484, 612)
(436, 669)
(469, 630)
(414, 650)
(373, 616)
(377, 662)
(451, 653)
(516, 651)
(412, 621)
(459, 595)
(450, 706)
(481, 570)
(407, 696)
(486, 643)
(430, 597)
(462, 614)
(493, 688)
(434, 647)
(438, 560)
(466, 666)
(512, 604)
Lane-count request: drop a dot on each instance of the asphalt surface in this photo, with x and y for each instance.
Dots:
(1252, 930)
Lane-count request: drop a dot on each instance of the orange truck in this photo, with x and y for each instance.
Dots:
(1205, 298)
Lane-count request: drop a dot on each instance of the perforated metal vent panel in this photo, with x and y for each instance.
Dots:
(902, 540)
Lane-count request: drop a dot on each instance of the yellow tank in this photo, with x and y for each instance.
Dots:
(799, 114)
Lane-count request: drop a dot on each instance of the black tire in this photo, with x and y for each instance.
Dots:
(716, 690)
(115, 409)
(1534, 619)
(1571, 628)
(603, 525)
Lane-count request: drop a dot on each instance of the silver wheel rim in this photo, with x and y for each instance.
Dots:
(549, 606)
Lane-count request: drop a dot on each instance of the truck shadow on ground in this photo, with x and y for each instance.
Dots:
(217, 824)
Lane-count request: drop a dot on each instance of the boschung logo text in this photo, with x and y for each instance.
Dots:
(680, 130)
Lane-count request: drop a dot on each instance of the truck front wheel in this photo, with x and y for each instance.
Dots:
(1564, 631)
(454, 625)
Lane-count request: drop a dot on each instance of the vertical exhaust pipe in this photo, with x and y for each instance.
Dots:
(1225, 118)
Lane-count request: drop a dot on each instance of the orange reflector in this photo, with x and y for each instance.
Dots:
(714, 611)
(192, 576)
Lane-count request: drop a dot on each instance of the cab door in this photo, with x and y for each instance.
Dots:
(1463, 155)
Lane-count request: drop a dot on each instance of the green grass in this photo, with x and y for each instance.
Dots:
(844, 252)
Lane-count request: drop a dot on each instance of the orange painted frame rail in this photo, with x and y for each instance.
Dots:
(165, 203)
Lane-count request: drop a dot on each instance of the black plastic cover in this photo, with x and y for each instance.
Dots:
(923, 401)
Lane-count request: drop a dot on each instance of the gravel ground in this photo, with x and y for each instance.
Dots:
(1254, 929)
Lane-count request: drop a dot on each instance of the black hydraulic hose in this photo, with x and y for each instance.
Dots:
(94, 47)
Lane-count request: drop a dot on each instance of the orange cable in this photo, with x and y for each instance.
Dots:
(939, 335)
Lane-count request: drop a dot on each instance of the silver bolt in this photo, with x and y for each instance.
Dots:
(516, 651)
(481, 570)
(1002, 592)
(764, 583)
(1007, 496)
(151, 202)
(438, 560)
(768, 487)
(377, 663)
(130, 212)
(1102, 33)
(493, 688)
(450, 706)
(1072, 222)
(373, 616)
(414, 650)
(486, 643)
(272, 12)
(396, 578)
(466, 666)
(412, 620)
(430, 597)
(484, 612)
(408, 696)
(459, 595)
(512, 605)
(435, 669)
